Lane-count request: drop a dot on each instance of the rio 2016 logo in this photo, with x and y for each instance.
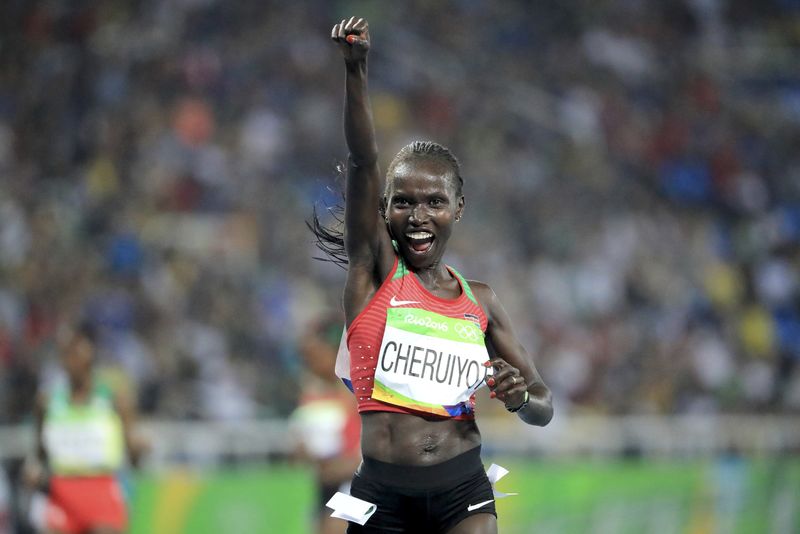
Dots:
(426, 322)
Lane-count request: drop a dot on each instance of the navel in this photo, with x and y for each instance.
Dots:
(430, 444)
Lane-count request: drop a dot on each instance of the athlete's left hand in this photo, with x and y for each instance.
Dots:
(34, 474)
(506, 384)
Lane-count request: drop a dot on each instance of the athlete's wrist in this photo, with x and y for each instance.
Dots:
(525, 399)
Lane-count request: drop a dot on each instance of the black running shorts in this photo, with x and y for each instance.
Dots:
(422, 499)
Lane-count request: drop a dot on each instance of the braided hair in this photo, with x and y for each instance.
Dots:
(330, 238)
(428, 150)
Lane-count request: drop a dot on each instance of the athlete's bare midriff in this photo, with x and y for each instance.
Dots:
(412, 440)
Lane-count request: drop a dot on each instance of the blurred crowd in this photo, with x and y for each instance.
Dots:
(632, 176)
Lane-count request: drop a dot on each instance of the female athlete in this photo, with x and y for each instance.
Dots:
(83, 430)
(421, 338)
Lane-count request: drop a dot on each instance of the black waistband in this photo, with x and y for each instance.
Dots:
(445, 473)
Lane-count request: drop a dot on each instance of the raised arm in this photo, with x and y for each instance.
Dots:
(514, 370)
(366, 239)
(353, 39)
(363, 191)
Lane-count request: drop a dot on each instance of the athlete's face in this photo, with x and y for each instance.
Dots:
(78, 354)
(421, 206)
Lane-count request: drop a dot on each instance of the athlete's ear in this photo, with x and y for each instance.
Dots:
(385, 217)
(460, 208)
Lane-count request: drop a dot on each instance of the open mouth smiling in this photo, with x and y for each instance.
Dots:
(420, 240)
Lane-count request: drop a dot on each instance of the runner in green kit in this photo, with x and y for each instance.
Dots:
(83, 432)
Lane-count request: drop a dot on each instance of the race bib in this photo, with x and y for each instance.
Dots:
(83, 446)
(429, 362)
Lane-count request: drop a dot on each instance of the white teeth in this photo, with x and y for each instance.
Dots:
(419, 235)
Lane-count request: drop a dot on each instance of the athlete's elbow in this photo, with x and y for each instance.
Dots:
(540, 412)
(541, 417)
(547, 415)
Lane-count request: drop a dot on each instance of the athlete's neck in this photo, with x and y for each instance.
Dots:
(434, 276)
(80, 389)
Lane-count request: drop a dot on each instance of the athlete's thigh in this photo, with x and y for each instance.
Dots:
(393, 510)
(476, 524)
(456, 504)
(332, 525)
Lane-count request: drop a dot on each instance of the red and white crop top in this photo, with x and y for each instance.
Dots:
(430, 349)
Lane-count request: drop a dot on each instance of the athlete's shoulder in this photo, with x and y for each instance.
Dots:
(40, 401)
(52, 392)
(481, 288)
(484, 293)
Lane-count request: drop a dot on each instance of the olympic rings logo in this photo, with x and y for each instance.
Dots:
(468, 331)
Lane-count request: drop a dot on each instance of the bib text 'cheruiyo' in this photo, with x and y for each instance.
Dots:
(426, 363)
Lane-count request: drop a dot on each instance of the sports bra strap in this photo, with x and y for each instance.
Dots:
(402, 269)
(465, 285)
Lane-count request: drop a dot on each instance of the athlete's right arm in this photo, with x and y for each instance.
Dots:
(39, 408)
(34, 470)
(367, 241)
